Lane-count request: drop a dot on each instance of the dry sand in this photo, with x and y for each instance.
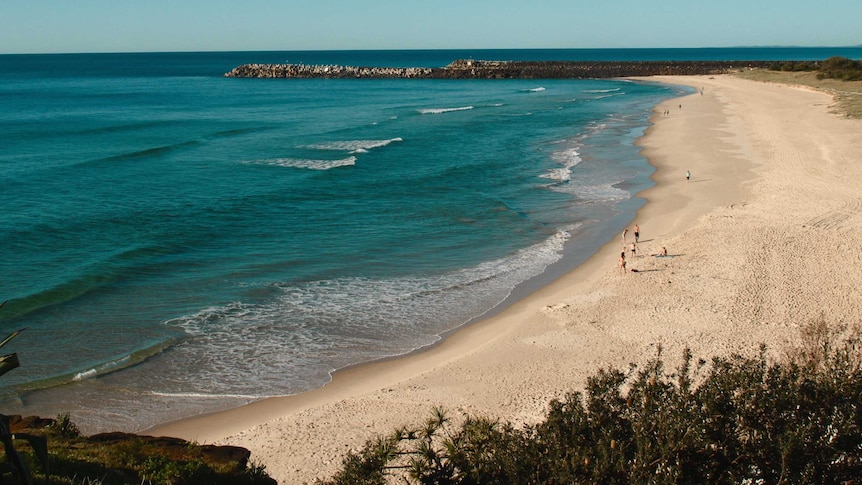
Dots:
(765, 237)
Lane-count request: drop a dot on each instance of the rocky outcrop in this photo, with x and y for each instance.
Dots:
(234, 457)
(123, 457)
(472, 69)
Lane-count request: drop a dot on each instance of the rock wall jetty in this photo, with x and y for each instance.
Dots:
(473, 69)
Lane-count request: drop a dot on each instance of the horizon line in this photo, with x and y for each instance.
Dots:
(439, 49)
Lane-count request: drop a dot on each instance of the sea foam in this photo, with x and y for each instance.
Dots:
(309, 329)
(567, 158)
(200, 395)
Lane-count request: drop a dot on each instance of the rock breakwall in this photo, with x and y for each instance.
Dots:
(472, 69)
(327, 71)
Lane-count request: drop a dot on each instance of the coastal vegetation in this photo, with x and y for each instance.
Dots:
(835, 67)
(121, 458)
(838, 76)
(841, 68)
(736, 420)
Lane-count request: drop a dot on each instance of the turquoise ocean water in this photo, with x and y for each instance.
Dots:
(177, 242)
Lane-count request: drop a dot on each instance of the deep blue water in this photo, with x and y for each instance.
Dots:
(176, 242)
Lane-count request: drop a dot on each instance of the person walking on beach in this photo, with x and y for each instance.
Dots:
(634, 250)
(625, 231)
(623, 262)
(687, 175)
(637, 233)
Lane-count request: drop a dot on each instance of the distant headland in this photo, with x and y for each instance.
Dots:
(476, 69)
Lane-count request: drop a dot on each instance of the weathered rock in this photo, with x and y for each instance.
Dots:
(21, 424)
(173, 447)
(232, 458)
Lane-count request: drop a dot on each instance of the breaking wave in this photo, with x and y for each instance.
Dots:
(601, 90)
(437, 111)
(305, 163)
(567, 159)
(354, 146)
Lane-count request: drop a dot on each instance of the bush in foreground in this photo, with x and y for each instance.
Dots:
(747, 421)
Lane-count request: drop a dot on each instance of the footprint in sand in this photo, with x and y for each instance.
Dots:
(557, 307)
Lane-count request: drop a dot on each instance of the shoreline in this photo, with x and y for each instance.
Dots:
(729, 286)
(368, 376)
(189, 426)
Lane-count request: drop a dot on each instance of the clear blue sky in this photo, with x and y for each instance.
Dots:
(36, 26)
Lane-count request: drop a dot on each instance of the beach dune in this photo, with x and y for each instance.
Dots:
(764, 238)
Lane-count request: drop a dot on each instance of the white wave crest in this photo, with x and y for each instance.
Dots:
(535, 90)
(437, 111)
(611, 95)
(567, 158)
(102, 369)
(601, 90)
(80, 376)
(353, 146)
(303, 163)
(558, 174)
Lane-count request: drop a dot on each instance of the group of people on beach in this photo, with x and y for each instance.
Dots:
(666, 112)
(633, 248)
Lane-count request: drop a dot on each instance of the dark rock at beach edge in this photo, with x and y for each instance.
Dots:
(473, 69)
(230, 464)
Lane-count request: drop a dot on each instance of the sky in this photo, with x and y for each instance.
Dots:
(61, 26)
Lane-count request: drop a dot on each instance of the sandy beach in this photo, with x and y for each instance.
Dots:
(764, 238)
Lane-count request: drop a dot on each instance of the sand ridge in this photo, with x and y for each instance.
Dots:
(764, 238)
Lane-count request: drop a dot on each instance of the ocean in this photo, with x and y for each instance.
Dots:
(174, 242)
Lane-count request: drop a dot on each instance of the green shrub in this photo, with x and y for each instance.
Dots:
(158, 469)
(368, 466)
(794, 66)
(747, 421)
(841, 68)
(64, 427)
